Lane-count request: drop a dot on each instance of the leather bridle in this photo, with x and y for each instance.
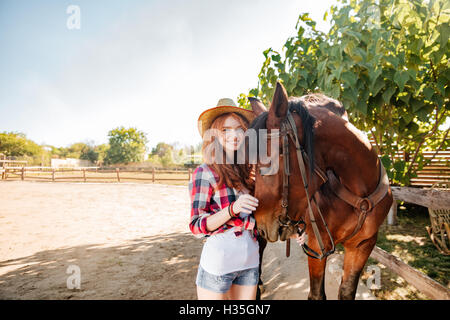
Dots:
(289, 129)
(362, 205)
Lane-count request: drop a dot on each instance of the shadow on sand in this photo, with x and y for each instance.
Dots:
(155, 267)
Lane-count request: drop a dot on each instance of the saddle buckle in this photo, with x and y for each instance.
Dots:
(364, 205)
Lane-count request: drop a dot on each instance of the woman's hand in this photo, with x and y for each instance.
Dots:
(245, 203)
(300, 239)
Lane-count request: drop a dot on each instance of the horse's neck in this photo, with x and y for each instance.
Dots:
(348, 152)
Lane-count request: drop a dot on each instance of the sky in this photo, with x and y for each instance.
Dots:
(154, 65)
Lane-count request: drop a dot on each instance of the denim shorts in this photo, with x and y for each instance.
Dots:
(221, 284)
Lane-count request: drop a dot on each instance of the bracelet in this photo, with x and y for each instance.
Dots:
(230, 210)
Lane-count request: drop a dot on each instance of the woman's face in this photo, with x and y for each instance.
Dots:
(232, 134)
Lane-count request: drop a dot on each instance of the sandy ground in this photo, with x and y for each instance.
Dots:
(129, 241)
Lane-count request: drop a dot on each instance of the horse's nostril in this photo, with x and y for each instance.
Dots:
(262, 233)
(280, 231)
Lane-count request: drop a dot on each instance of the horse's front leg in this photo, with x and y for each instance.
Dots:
(262, 245)
(355, 259)
(317, 279)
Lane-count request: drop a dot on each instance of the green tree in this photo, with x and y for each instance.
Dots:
(162, 149)
(89, 153)
(126, 145)
(76, 150)
(163, 153)
(101, 151)
(167, 158)
(387, 62)
(16, 144)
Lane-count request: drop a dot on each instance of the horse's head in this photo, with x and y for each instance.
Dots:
(269, 187)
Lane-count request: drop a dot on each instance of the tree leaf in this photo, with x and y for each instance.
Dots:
(392, 60)
(387, 94)
(377, 85)
(400, 79)
(416, 104)
(386, 161)
(335, 91)
(428, 93)
(362, 106)
(350, 95)
(350, 78)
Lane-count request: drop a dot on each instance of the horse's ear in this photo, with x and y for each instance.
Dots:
(257, 106)
(279, 106)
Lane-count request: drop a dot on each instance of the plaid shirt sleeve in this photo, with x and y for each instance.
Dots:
(200, 190)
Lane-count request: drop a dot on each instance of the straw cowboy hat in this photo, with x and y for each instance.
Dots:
(225, 105)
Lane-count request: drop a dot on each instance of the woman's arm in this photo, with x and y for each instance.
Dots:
(216, 220)
(245, 203)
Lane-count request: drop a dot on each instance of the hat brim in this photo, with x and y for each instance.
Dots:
(207, 117)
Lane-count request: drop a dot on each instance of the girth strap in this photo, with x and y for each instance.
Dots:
(362, 205)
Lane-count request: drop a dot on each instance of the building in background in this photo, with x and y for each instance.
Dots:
(70, 163)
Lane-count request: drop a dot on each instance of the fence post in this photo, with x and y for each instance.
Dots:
(117, 171)
(23, 173)
(189, 173)
(153, 175)
(84, 174)
(392, 214)
(53, 174)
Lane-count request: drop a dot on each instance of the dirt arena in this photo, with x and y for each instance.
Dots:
(130, 241)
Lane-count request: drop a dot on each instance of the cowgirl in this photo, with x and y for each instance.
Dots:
(222, 205)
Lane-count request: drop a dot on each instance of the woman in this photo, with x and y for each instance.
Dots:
(222, 205)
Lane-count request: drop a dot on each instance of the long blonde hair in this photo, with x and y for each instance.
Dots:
(234, 175)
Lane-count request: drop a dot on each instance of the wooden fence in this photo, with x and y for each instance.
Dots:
(431, 199)
(94, 174)
(437, 170)
(420, 281)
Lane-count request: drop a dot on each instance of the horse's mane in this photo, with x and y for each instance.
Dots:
(296, 105)
(321, 100)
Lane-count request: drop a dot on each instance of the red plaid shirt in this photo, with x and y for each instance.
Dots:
(205, 202)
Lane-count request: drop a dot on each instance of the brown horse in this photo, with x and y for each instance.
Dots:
(343, 174)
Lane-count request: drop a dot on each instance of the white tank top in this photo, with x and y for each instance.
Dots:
(225, 252)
